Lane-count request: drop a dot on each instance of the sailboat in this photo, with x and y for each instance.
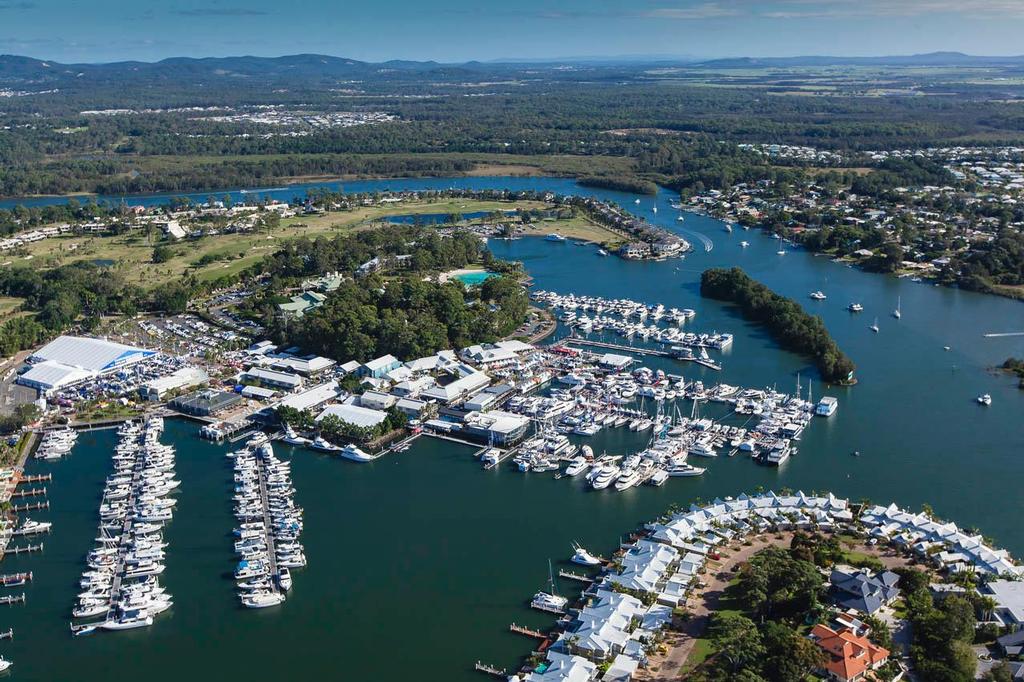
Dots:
(896, 313)
(781, 251)
(549, 601)
(874, 326)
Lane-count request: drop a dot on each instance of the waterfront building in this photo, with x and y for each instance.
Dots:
(355, 415)
(499, 428)
(565, 668)
(1009, 598)
(851, 657)
(466, 385)
(602, 629)
(376, 400)
(206, 403)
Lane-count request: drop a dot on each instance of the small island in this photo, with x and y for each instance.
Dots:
(785, 319)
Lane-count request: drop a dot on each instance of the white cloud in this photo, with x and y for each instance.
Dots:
(708, 10)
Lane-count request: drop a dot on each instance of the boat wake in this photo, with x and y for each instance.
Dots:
(702, 238)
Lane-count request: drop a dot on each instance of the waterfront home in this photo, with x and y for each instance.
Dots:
(602, 628)
(561, 667)
(960, 551)
(1009, 598)
(863, 591)
(378, 367)
(851, 657)
(646, 567)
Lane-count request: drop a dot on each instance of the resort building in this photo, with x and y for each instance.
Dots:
(302, 304)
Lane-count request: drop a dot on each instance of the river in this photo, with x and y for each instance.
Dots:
(418, 562)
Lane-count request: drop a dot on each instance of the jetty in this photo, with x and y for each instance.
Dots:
(490, 670)
(29, 492)
(529, 632)
(30, 506)
(15, 579)
(268, 532)
(562, 573)
(27, 549)
(654, 352)
(13, 599)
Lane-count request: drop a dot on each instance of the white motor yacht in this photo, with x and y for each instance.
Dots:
(578, 465)
(985, 399)
(353, 453)
(261, 600)
(583, 557)
(323, 446)
(684, 470)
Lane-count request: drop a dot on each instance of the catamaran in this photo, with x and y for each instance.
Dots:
(549, 601)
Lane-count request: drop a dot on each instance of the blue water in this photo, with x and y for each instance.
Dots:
(427, 555)
(474, 278)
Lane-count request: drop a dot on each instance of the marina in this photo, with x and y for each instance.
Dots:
(439, 493)
(267, 537)
(121, 584)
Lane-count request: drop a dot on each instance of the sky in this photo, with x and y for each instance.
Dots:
(462, 30)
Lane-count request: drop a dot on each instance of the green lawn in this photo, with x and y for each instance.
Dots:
(702, 649)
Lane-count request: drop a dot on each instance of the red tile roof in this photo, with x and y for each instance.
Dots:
(849, 654)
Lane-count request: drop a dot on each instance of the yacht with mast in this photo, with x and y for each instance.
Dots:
(551, 601)
(898, 312)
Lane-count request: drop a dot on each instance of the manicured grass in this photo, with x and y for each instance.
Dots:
(702, 649)
(131, 254)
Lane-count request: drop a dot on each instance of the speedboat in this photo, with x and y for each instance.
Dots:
(555, 237)
(985, 399)
(818, 295)
(602, 252)
(855, 307)
(744, 244)
(583, 557)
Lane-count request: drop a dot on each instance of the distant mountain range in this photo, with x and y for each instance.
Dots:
(314, 67)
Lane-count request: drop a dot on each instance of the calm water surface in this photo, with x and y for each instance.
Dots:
(419, 562)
